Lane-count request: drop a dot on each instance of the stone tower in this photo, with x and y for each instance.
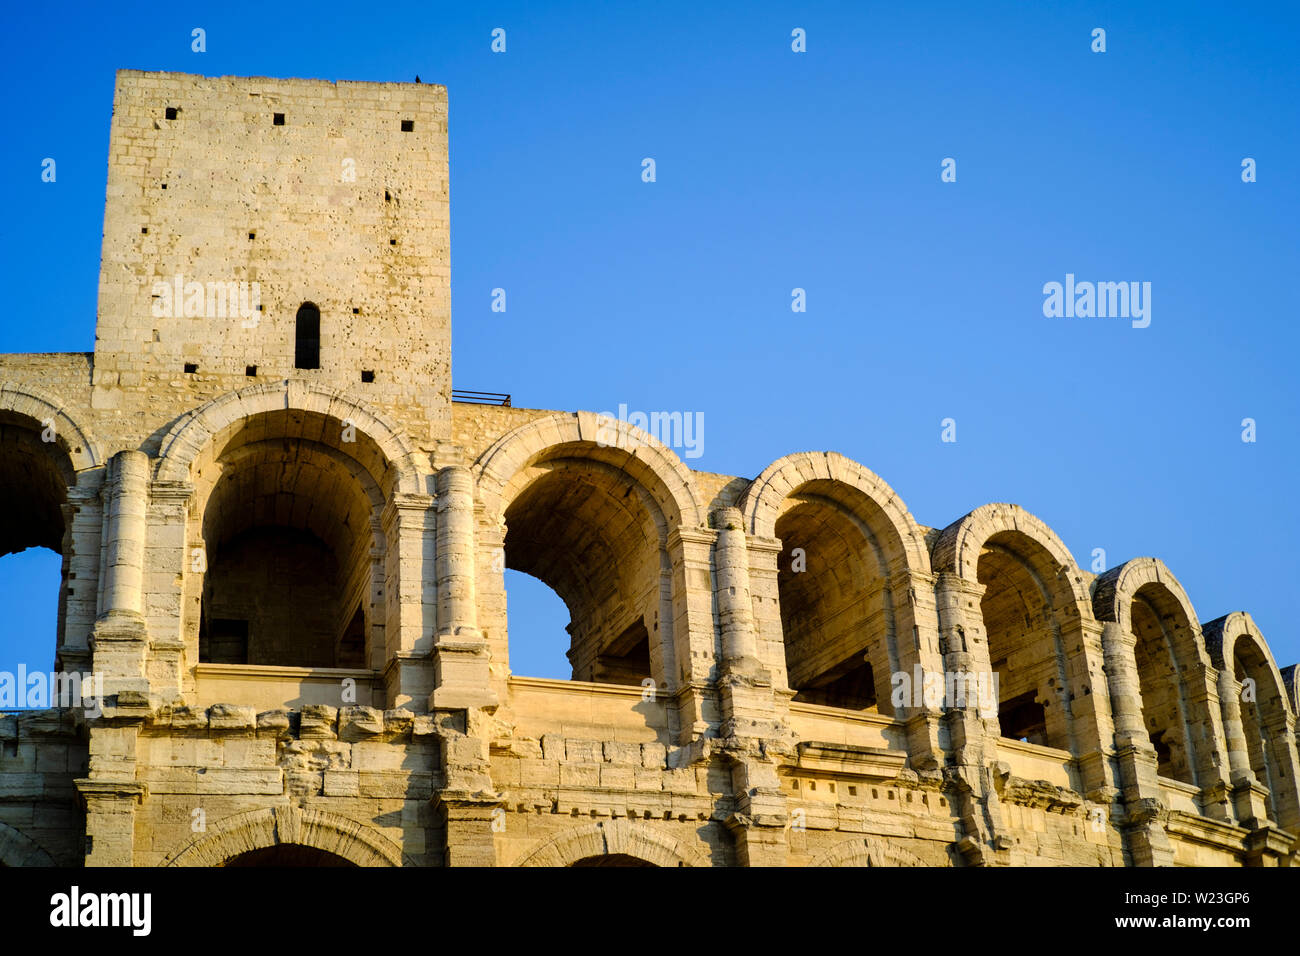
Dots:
(332, 196)
(284, 548)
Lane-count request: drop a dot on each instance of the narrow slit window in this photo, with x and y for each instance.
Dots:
(278, 119)
(306, 352)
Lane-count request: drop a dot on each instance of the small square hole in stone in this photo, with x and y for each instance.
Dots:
(144, 230)
(356, 311)
(252, 235)
(171, 112)
(392, 242)
(278, 119)
(367, 376)
(408, 126)
(250, 370)
(190, 367)
(164, 185)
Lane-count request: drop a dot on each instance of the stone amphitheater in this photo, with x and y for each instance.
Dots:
(284, 540)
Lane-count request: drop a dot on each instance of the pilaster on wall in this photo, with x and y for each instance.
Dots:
(111, 794)
(410, 603)
(82, 541)
(165, 554)
(696, 654)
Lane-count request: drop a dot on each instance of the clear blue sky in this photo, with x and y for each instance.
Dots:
(818, 170)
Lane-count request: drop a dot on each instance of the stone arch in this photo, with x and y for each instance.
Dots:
(1265, 718)
(649, 462)
(1038, 630)
(762, 501)
(1221, 638)
(1168, 651)
(392, 459)
(852, 581)
(1112, 593)
(82, 448)
(957, 550)
(294, 475)
(273, 826)
(612, 837)
(18, 850)
(593, 508)
(867, 851)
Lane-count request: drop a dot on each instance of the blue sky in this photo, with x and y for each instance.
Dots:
(817, 170)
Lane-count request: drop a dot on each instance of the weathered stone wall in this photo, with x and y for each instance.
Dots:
(742, 641)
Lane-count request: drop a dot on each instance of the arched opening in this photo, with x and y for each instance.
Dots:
(288, 855)
(306, 351)
(289, 528)
(35, 474)
(1025, 607)
(836, 609)
(613, 859)
(594, 536)
(1263, 717)
(539, 628)
(1162, 631)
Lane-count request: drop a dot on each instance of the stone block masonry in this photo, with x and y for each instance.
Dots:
(284, 550)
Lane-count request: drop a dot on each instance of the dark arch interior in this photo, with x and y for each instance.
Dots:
(584, 530)
(1160, 626)
(1022, 623)
(288, 533)
(835, 611)
(35, 476)
(613, 859)
(1261, 708)
(286, 855)
(34, 479)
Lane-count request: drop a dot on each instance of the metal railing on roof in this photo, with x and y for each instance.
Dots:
(480, 398)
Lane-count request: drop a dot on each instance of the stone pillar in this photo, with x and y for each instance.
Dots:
(1249, 797)
(691, 689)
(128, 502)
(460, 653)
(1144, 809)
(84, 520)
(409, 603)
(119, 639)
(972, 738)
(731, 588)
(110, 793)
(753, 737)
(917, 640)
(468, 805)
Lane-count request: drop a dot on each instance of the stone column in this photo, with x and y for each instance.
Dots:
(460, 653)
(128, 502)
(1144, 809)
(1249, 797)
(731, 589)
(972, 737)
(753, 738)
(119, 639)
